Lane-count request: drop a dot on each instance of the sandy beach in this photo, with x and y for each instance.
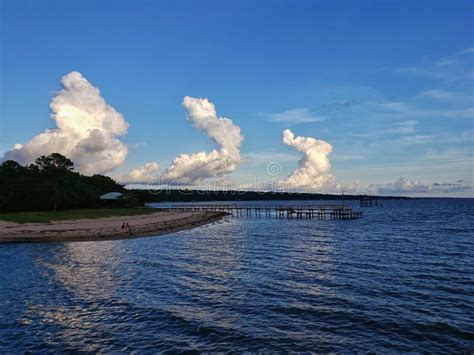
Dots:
(105, 228)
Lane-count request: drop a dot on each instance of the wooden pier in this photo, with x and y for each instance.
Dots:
(308, 212)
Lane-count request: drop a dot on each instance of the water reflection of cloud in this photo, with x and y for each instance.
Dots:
(87, 269)
(84, 284)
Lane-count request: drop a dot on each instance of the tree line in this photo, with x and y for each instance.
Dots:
(185, 195)
(50, 184)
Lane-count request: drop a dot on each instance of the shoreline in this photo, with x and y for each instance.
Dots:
(154, 224)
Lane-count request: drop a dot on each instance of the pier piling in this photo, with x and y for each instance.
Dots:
(343, 212)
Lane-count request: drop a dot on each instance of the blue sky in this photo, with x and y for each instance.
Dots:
(389, 84)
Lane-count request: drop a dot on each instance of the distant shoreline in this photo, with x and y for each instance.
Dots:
(183, 195)
(109, 228)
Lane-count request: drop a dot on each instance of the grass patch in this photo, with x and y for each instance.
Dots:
(48, 216)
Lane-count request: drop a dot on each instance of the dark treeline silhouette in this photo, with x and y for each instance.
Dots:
(182, 195)
(50, 184)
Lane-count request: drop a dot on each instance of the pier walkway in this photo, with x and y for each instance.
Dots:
(303, 211)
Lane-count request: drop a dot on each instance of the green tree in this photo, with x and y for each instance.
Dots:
(54, 161)
(58, 168)
(51, 184)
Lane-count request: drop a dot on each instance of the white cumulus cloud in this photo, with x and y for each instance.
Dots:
(193, 168)
(314, 169)
(146, 174)
(87, 130)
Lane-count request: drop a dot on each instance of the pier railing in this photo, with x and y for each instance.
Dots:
(298, 211)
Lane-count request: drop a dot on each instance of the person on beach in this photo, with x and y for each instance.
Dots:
(123, 225)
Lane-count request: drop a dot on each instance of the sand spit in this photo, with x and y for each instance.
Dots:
(105, 228)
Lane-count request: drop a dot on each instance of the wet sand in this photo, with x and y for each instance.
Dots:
(106, 228)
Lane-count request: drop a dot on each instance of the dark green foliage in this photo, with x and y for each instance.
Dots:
(102, 184)
(54, 163)
(50, 184)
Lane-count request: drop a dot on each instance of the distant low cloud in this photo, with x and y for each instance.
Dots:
(192, 168)
(146, 174)
(296, 115)
(314, 168)
(87, 130)
(403, 186)
(400, 186)
(450, 187)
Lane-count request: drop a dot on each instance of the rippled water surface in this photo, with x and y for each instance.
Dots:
(400, 279)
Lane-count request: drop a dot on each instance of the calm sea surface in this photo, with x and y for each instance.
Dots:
(399, 279)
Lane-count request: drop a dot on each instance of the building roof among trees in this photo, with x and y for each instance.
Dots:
(111, 196)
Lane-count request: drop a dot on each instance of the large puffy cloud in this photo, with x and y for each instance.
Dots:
(146, 174)
(87, 130)
(314, 169)
(190, 169)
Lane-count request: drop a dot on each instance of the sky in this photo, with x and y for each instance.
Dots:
(319, 96)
